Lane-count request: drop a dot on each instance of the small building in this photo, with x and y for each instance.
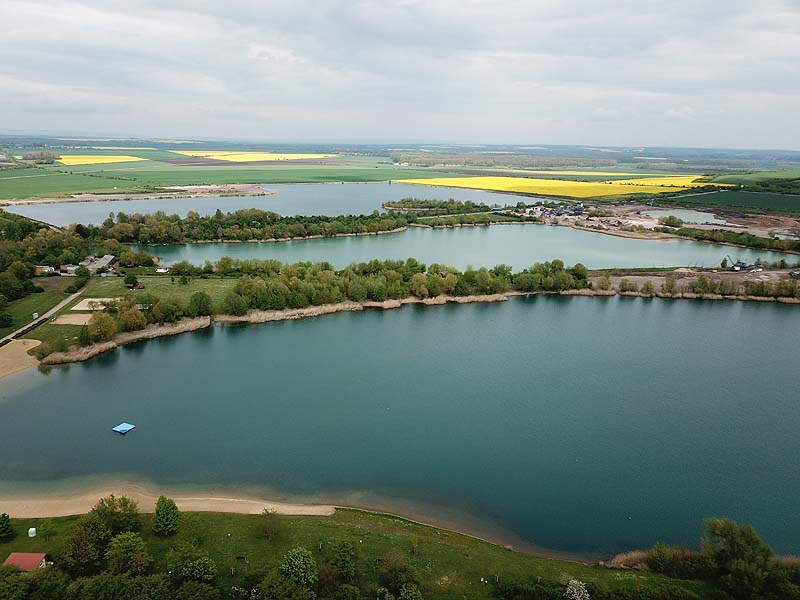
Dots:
(68, 270)
(43, 269)
(26, 561)
(94, 264)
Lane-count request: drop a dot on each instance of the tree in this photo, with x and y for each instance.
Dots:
(84, 339)
(101, 327)
(197, 590)
(234, 304)
(410, 592)
(6, 529)
(344, 558)
(118, 514)
(188, 562)
(272, 525)
(276, 586)
(743, 559)
(199, 305)
(576, 590)
(299, 566)
(127, 553)
(347, 592)
(604, 283)
(12, 585)
(132, 319)
(85, 546)
(167, 517)
(131, 280)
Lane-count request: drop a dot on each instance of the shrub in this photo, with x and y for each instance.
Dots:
(273, 527)
(576, 590)
(344, 559)
(127, 553)
(188, 562)
(118, 514)
(347, 592)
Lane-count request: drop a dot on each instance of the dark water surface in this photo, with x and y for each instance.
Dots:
(579, 424)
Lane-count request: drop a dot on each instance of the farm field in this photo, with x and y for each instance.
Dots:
(745, 178)
(549, 187)
(761, 201)
(57, 183)
(232, 156)
(96, 159)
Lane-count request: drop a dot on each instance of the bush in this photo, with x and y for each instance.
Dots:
(127, 554)
(118, 514)
(344, 559)
(187, 562)
(680, 562)
(273, 527)
(197, 590)
(234, 304)
(167, 517)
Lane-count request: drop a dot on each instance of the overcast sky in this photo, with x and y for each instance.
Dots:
(706, 73)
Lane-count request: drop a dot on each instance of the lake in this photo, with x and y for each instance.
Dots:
(687, 216)
(517, 245)
(289, 199)
(585, 425)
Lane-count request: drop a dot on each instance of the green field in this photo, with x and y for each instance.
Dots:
(745, 178)
(168, 288)
(758, 201)
(22, 310)
(449, 564)
(60, 180)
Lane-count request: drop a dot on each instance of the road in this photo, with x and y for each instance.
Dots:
(45, 316)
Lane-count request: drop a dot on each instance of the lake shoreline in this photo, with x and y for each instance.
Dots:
(253, 317)
(79, 500)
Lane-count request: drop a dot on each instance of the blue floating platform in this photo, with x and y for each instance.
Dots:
(124, 428)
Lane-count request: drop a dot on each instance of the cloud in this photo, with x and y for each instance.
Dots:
(686, 73)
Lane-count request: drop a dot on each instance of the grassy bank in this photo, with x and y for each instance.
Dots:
(22, 310)
(450, 565)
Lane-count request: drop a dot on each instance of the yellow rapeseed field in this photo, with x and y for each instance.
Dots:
(247, 156)
(95, 159)
(547, 187)
(670, 181)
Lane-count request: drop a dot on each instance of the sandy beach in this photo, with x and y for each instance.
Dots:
(14, 356)
(76, 503)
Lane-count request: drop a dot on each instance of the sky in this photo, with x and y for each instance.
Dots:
(694, 73)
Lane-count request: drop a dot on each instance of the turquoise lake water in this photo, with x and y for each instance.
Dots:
(579, 424)
(517, 245)
(288, 199)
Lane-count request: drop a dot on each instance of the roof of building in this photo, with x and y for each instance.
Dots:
(25, 561)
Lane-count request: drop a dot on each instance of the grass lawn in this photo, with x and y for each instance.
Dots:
(449, 564)
(114, 287)
(22, 310)
(163, 287)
